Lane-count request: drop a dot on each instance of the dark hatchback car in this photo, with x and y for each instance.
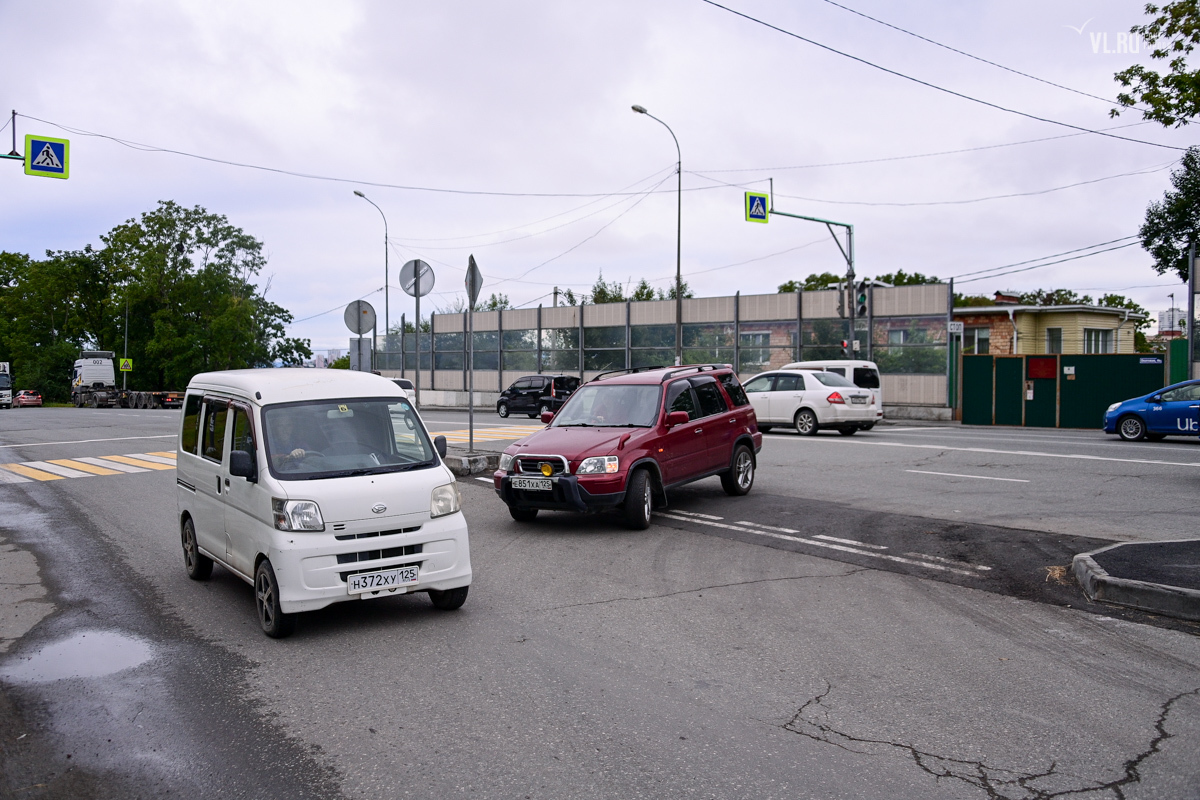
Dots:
(536, 394)
(625, 438)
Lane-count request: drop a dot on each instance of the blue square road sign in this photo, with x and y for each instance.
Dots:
(47, 157)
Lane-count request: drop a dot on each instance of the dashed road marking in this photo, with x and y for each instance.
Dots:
(486, 480)
(956, 475)
(853, 542)
(818, 543)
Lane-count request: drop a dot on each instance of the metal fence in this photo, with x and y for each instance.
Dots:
(904, 332)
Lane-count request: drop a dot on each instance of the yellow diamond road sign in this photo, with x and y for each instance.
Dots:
(126, 365)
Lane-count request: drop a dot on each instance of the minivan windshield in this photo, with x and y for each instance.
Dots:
(338, 438)
(611, 406)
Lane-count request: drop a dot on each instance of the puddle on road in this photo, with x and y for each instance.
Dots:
(89, 654)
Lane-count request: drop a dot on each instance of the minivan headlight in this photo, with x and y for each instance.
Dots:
(444, 500)
(1113, 408)
(598, 465)
(505, 462)
(297, 515)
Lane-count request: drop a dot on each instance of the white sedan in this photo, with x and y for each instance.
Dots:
(809, 401)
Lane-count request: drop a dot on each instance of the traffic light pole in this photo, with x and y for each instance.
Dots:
(847, 252)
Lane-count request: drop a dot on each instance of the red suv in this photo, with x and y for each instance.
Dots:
(626, 437)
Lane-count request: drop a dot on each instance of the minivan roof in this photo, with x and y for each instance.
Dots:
(840, 362)
(288, 385)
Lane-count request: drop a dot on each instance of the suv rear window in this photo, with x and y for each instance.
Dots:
(711, 400)
(734, 389)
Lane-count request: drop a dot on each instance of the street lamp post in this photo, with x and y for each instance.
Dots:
(678, 238)
(386, 329)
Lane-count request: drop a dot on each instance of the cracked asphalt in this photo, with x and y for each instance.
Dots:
(591, 661)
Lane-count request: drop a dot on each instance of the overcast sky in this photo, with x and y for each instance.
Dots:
(533, 98)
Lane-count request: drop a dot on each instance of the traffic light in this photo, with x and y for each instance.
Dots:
(845, 348)
(860, 300)
(841, 300)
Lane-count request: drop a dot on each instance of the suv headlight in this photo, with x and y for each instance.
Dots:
(598, 465)
(1113, 408)
(297, 515)
(505, 462)
(444, 500)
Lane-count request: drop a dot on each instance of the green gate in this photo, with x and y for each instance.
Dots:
(1054, 391)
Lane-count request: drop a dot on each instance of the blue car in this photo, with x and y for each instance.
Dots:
(1167, 412)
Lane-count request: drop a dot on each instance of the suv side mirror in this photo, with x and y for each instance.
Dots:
(439, 444)
(677, 418)
(547, 416)
(241, 465)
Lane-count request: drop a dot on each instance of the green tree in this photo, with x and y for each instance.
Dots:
(340, 363)
(1054, 297)
(643, 291)
(671, 293)
(902, 278)
(496, 302)
(607, 292)
(814, 282)
(1172, 99)
(972, 300)
(1172, 225)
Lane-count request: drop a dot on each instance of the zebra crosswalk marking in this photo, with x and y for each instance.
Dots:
(491, 434)
(138, 462)
(99, 462)
(36, 474)
(153, 458)
(79, 465)
(55, 469)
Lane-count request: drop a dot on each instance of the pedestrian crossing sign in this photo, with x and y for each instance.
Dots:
(126, 365)
(757, 206)
(50, 158)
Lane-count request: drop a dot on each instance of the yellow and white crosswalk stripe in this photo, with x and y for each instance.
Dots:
(56, 469)
(490, 434)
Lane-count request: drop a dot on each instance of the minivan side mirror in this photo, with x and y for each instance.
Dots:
(439, 444)
(547, 417)
(677, 418)
(241, 465)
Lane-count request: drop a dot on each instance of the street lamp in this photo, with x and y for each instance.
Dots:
(678, 239)
(386, 330)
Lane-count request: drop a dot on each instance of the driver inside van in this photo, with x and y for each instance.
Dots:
(291, 441)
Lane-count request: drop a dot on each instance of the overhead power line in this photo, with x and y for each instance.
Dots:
(934, 86)
(969, 55)
(1043, 258)
(1049, 263)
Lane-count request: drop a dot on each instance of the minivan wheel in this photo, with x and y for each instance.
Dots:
(806, 422)
(740, 477)
(198, 566)
(639, 500)
(274, 622)
(847, 431)
(502, 410)
(1131, 429)
(450, 599)
(523, 514)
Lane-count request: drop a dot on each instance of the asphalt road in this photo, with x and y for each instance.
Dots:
(735, 649)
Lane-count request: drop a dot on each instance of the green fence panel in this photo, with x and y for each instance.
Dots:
(1090, 384)
(1041, 372)
(1178, 361)
(977, 390)
(1010, 390)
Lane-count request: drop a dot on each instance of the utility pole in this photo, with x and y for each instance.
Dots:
(125, 373)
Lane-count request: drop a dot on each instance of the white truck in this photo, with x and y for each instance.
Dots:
(6, 387)
(94, 384)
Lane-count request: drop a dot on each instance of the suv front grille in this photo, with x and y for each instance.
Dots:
(533, 465)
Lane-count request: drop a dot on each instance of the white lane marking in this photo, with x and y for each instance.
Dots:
(12, 477)
(816, 543)
(701, 516)
(487, 480)
(889, 429)
(57, 469)
(947, 561)
(154, 459)
(997, 452)
(956, 475)
(765, 527)
(854, 542)
(117, 465)
(85, 441)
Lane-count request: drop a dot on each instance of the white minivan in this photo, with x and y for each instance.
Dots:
(317, 486)
(863, 374)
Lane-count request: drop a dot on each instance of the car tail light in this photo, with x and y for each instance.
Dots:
(836, 398)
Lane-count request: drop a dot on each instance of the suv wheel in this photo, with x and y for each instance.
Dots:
(274, 622)
(740, 477)
(523, 514)
(639, 500)
(502, 410)
(847, 431)
(806, 422)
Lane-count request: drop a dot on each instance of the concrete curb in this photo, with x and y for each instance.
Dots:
(1098, 585)
(467, 464)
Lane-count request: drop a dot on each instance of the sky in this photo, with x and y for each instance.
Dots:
(505, 131)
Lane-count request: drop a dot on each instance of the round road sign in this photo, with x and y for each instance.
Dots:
(360, 317)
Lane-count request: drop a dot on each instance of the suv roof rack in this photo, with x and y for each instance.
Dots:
(697, 367)
(630, 371)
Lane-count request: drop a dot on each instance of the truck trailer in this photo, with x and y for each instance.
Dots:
(94, 385)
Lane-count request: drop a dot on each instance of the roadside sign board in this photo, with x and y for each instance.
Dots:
(47, 157)
(955, 327)
(757, 207)
(474, 281)
(360, 317)
(126, 364)
(408, 277)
